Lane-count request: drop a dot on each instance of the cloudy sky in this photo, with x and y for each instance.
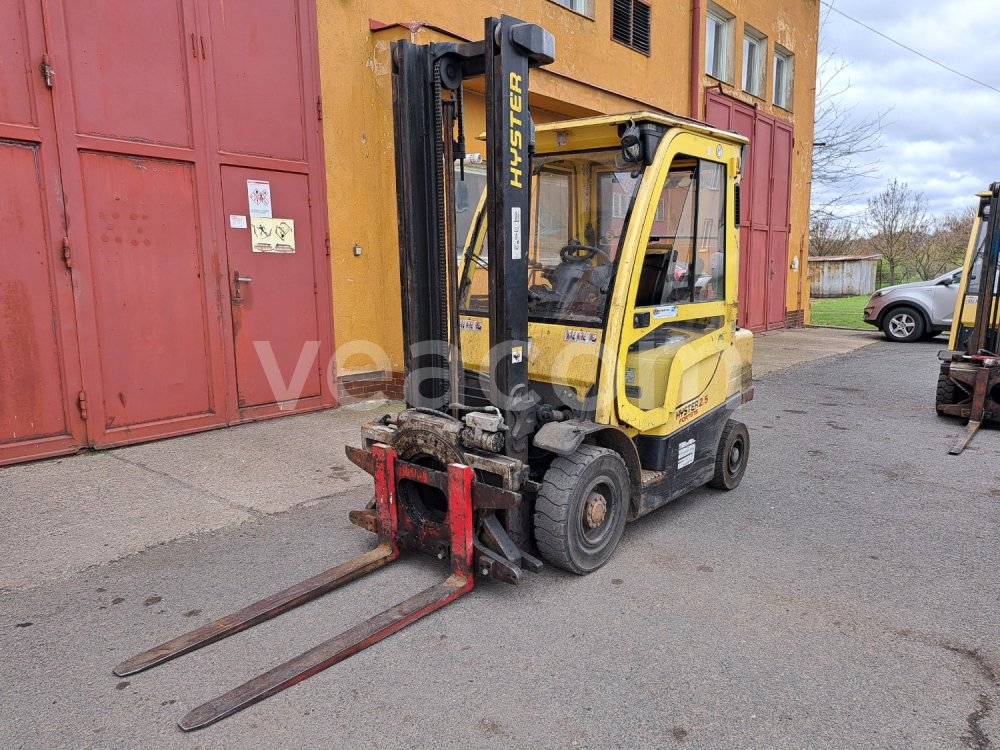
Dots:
(943, 131)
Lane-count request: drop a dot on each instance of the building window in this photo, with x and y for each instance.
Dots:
(583, 7)
(719, 43)
(630, 24)
(784, 77)
(754, 61)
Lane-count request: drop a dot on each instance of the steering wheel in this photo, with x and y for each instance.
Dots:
(575, 251)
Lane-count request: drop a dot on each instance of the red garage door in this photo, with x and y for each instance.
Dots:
(764, 210)
(128, 132)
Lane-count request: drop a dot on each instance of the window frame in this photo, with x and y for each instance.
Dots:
(708, 175)
(759, 40)
(726, 21)
(788, 88)
(590, 5)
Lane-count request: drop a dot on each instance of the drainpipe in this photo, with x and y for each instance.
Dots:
(695, 58)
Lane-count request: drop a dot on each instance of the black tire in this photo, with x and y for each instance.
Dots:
(581, 509)
(731, 458)
(903, 324)
(947, 392)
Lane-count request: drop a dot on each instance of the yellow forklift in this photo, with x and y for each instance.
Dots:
(573, 364)
(969, 380)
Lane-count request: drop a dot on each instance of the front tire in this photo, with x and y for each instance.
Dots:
(903, 324)
(947, 392)
(581, 509)
(731, 458)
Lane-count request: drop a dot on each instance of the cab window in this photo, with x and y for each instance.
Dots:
(581, 205)
(977, 263)
(685, 258)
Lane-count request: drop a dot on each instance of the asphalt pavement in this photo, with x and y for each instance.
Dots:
(845, 595)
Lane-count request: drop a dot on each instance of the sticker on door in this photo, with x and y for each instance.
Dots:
(259, 197)
(273, 235)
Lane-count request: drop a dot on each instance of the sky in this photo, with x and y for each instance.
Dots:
(942, 132)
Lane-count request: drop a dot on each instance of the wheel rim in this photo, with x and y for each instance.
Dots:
(902, 325)
(734, 462)
(597, 513)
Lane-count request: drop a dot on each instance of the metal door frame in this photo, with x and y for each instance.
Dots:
(62, 285)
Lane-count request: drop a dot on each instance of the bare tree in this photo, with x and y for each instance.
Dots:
(831, 236)
(897, 225)
(845, 143)
(926, 260)
(945, 246)
(953, 234)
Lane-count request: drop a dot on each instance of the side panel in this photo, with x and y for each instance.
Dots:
(128, 62)
(258, 78)
(132, 147)
(687, 457)
(39, 361)
(777, 268)
(152, 325)
(778, 222)
(764, 215)
(760, 155)
(754, 307)
(32, 381)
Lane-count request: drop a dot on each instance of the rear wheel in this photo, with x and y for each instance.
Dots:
(581, 509)
(903, 324)
(731, 458)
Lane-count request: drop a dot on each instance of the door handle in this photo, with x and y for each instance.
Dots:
(237, 280)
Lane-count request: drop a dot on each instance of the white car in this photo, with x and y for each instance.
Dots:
(907, 312)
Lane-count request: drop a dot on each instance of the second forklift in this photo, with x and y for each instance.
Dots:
(969, 380)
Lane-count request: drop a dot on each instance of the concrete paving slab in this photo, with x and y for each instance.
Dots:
(781, 349)
(268, 466)
(64, 515)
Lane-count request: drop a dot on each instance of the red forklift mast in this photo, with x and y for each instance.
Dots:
(426, 151)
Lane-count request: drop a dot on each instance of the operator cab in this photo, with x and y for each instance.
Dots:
(631, 264)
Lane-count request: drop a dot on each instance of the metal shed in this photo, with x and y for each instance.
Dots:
(842, 275)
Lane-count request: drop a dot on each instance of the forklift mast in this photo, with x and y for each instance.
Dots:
(969, 381)
(427, 106)
(984, 334)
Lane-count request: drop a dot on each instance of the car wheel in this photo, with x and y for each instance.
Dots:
(903, 324)
(581, 509)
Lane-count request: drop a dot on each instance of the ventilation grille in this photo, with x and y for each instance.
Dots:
(630, 24)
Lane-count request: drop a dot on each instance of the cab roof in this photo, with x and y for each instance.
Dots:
(597, 128)
(599, 122)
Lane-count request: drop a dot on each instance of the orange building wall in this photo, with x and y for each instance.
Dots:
(592, 74)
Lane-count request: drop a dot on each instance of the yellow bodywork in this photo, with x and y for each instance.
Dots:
(965, 304)
(650, 369)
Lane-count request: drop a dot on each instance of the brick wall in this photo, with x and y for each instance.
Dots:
(369, 385)
(795, 318)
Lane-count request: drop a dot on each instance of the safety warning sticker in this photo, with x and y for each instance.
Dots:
(259, 196)
(273, 235)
